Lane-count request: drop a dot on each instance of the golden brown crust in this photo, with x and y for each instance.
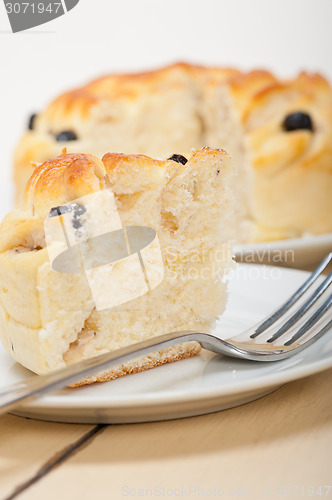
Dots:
(73, 109)
(170, 355)
(72, 175)
(130, 85)
(62, 179)
(119, 162)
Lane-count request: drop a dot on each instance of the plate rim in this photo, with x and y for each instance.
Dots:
(152, 400)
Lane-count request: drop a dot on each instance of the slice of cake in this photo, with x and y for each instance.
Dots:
(49, 315)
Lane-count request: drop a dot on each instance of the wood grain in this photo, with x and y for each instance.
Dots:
(282, 440)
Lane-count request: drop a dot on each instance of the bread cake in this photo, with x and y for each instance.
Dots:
(49, 319)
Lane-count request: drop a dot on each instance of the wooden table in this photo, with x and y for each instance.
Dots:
(277, 447)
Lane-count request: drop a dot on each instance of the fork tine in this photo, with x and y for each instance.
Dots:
(311, 321)
(303, 309)
(288, 304)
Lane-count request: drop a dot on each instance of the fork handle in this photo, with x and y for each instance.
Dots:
(38, 385)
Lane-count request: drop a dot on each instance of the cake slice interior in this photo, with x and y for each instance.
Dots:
(49, 319)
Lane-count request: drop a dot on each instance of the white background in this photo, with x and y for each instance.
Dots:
(101, 36)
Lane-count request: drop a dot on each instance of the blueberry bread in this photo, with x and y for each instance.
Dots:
(157, 113)
(279, 133)
(49, 319)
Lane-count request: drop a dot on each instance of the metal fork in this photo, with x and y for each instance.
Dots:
(302, 326)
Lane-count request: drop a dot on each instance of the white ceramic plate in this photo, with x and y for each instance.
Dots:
(199, 385)
(304, 252)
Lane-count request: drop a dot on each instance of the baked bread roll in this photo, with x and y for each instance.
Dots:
(49, 318)
(279, 133)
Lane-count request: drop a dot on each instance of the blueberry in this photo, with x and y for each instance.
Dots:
(66, 135)
(297, 121)
(31, 121)
(178, 158)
